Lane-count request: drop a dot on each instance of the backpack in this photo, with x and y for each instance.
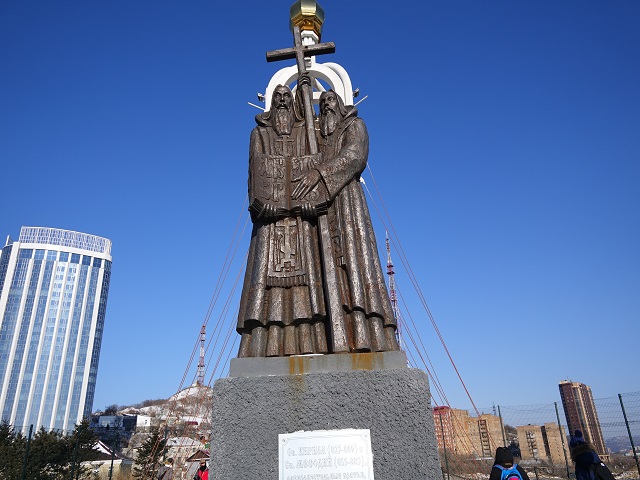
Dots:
(602, 472)
(509, 473)
(161, 472)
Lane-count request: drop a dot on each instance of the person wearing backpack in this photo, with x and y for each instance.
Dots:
(588, 465)
(504, 468)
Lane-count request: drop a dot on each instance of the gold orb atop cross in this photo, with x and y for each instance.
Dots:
(308, 15)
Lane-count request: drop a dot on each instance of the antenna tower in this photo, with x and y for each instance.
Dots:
(200, 379)
(393, 296)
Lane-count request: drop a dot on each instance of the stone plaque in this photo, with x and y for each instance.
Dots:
(326, 455)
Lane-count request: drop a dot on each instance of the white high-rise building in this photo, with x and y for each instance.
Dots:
(53, 297)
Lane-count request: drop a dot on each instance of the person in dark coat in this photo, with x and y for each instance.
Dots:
(504, 458)
(166, 471)
(588, 465)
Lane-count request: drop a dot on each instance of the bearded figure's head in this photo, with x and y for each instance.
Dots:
(281, 112)
(332, 111)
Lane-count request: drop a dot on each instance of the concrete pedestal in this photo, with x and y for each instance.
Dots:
(268, 396)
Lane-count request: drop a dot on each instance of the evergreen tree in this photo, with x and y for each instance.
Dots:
(81, 445)
(149, 455)
(12, 449)
(54, 456)
(49, 456)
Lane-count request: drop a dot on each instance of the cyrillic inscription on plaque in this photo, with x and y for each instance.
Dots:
(326, 455)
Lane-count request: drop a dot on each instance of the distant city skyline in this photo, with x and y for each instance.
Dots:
(54, 286)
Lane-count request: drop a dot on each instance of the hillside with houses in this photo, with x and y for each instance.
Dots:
(182, 421)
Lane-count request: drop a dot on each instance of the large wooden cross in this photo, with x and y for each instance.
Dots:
(337, 322)
(299, 52)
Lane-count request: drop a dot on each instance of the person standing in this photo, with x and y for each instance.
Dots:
(166, 471)
(203, 472)
(503, 465)
(588, 465)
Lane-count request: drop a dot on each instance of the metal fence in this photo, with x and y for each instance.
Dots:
(539, 436)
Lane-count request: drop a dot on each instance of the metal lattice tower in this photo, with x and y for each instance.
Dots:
(393, 296)
(200, 379)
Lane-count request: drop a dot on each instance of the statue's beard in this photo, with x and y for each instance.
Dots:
(283, 121)
(328, 122)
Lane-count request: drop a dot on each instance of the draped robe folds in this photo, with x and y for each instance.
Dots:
(285, 313)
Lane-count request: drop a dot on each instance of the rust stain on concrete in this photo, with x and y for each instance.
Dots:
(366, 361)
(297, 365)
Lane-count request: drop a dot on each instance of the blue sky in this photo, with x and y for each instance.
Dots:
(505, 142)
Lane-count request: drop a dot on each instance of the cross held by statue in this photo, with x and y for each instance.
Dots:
(299, 51)
(336, 314)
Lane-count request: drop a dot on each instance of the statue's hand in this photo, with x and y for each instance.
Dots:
(308, 211)
(305, 184)
(269, 213)
(304, 79)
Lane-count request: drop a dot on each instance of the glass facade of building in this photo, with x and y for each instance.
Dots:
(53, 296)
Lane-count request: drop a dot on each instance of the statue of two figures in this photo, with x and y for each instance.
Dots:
(300, 262)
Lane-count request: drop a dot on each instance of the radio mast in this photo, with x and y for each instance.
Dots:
(393, 296)
(200, 379)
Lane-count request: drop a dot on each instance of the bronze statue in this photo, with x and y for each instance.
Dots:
(313, 282)
(283, 306)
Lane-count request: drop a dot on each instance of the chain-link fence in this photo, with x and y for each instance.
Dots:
(538, 435)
